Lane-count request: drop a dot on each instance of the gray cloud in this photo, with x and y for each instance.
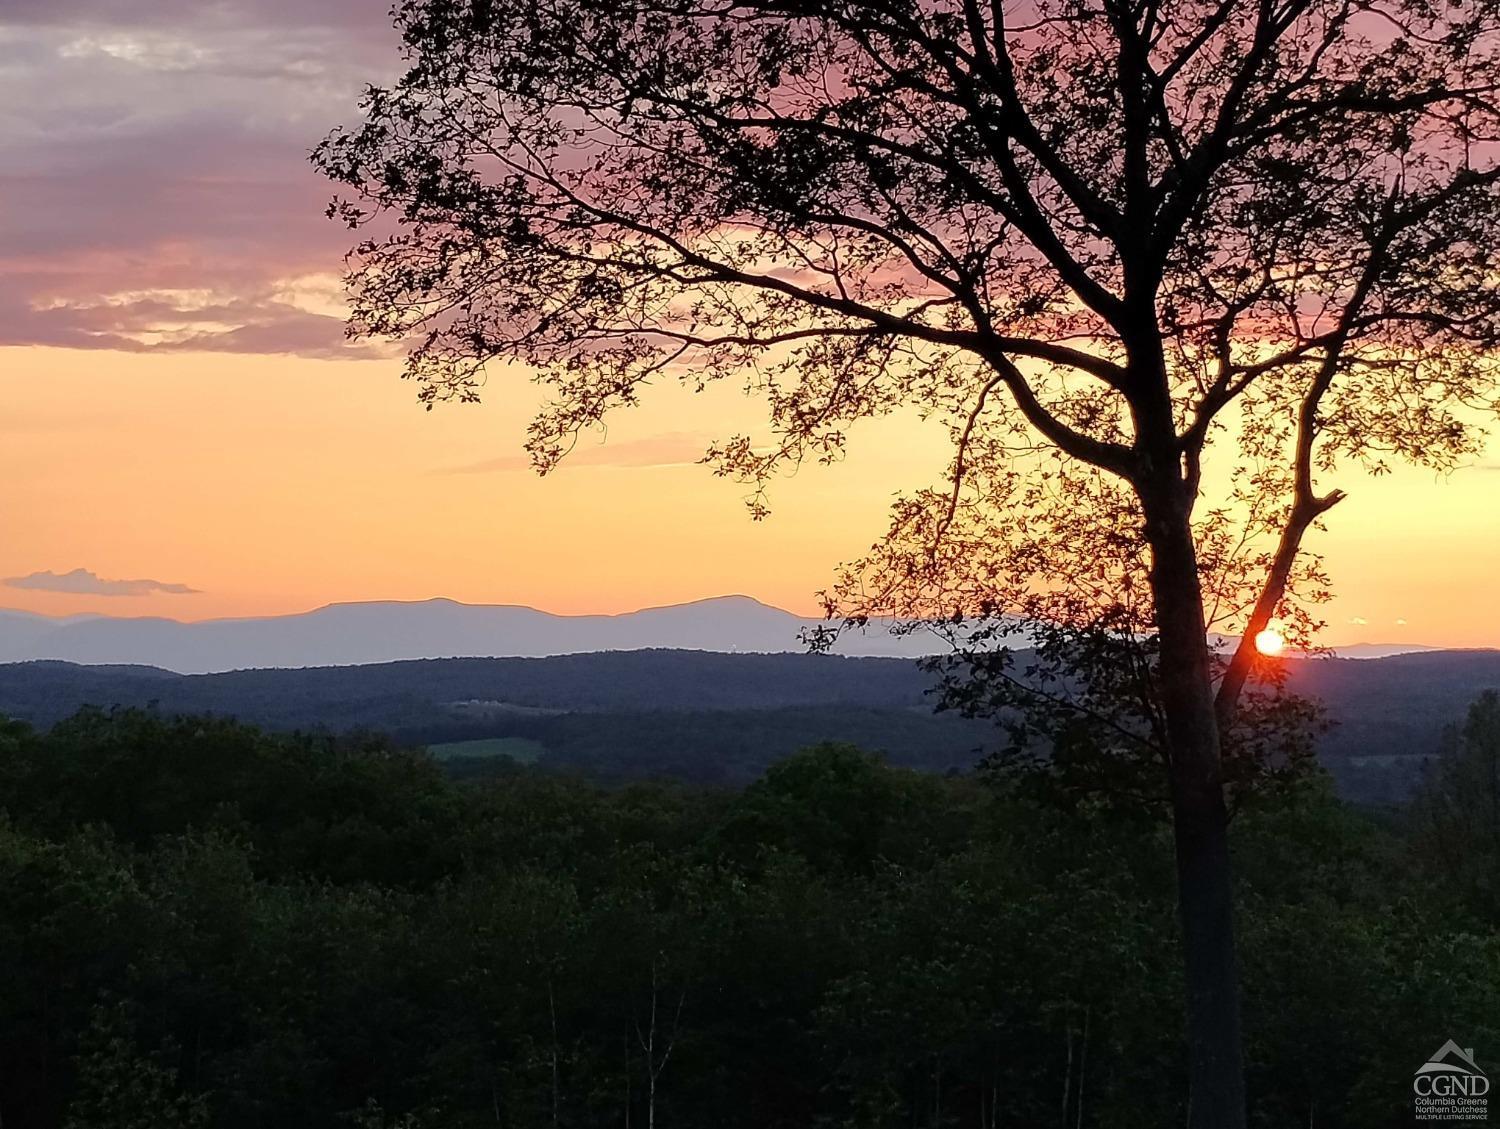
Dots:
(353, 16)
(83, 582)
(158, 194)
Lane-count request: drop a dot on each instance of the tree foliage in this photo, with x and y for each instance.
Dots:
(842, 943)
(1456, 815)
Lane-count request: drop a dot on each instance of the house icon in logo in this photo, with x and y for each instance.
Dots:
(1452, 1059)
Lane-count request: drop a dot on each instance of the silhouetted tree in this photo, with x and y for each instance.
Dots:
(1109, 230)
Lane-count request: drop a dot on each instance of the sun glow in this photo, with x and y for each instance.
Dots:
(1269, 642)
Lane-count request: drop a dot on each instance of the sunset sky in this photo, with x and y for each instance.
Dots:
(180, 410)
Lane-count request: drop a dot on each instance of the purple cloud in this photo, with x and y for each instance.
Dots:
(158, 194)
(83, 582)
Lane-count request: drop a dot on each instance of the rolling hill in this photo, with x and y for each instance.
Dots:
(723, 717)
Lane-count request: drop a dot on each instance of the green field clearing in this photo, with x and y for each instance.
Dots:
(523, 750)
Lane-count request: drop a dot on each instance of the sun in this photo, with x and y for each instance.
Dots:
(1269, 642)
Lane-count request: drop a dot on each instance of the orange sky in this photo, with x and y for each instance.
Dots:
(275, 484)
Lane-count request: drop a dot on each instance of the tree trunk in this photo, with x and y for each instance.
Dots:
(1216, 1084)
(552, 1015)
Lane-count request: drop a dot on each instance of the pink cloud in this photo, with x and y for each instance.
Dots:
(672, 448)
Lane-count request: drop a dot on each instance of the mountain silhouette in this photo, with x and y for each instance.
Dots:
(358, 633)
(389, 631)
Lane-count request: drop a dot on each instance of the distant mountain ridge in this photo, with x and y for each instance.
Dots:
(361, 633)
(390, 631)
